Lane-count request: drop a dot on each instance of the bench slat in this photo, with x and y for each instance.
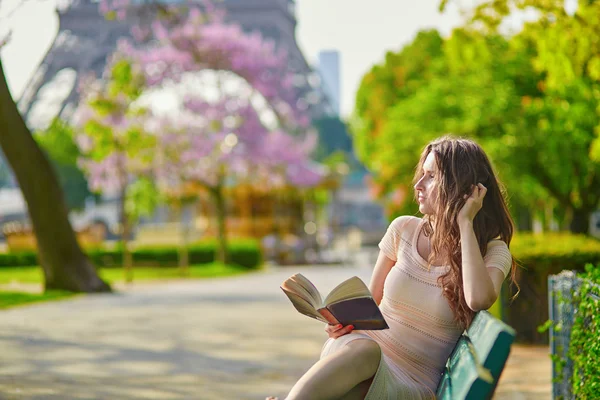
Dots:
(467, 378)
(475, 365)
(492, 339)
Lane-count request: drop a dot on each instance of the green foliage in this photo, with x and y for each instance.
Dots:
(58, 142)
(245, 253)
(532, 100)
(24, 258)
(552, 252)
(142, 198)
(584, 347)
(33, 275)
(538, 256)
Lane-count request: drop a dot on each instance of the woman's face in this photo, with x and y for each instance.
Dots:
(427, 186)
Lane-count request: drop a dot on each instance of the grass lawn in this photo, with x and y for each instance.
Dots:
(33, 275)
(11, 299)
(213, 270)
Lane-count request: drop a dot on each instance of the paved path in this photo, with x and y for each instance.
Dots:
(232, 338)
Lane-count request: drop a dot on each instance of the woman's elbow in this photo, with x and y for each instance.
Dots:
(480, 304)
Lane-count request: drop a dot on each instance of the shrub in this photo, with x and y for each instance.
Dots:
(584, 346)
(243, 252)
(538, 256)
(18, 259)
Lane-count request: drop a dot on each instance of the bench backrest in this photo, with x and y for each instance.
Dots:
(474, 367)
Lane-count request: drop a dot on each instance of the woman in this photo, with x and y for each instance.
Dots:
(431, 276)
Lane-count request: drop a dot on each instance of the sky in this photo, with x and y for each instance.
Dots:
(362, 31)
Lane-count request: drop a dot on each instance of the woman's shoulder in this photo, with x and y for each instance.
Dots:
(497, 246)
(404, 222)
(497, 242)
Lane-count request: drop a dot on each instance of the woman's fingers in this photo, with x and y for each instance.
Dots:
(335, 331)
(344, 331)
(477, 192)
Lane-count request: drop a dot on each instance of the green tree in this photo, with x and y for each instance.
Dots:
(57, 141)
(64, 264)
(117, 152)
(563, 119)
(538, 126)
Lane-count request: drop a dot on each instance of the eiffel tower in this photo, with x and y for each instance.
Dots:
(85, 40)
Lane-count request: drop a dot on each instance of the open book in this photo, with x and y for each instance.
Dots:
(349, 303)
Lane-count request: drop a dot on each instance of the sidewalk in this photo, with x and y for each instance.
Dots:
(527, 375)
(225, 338)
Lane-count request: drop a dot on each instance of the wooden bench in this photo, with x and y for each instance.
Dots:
(474, 367)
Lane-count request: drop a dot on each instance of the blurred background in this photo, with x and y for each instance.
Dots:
(281, 128)
(147, 140)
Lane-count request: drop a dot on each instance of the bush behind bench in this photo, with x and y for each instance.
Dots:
(541, 255)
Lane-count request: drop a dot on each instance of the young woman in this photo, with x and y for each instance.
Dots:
(431, 276)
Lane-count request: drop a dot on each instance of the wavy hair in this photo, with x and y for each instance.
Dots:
(462, 163)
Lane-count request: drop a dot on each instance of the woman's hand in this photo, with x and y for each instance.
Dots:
(335, 331)
(473, 204)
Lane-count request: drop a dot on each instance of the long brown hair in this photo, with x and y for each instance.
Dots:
(462, 163)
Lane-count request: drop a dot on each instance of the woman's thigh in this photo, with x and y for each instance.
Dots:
(359, 391)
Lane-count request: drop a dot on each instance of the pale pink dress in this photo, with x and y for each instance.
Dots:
(422, 330)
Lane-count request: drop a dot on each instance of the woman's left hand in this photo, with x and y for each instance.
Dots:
(473, 204)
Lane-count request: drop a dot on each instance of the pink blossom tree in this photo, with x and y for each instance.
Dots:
(117, 152)
(222, 141)
(222, 144)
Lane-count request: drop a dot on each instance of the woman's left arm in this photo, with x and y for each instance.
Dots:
(481, 284)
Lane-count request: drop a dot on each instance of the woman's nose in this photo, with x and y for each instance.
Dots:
(418, 186)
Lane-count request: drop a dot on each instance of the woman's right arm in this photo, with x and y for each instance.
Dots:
(380, 272)
(389, 247)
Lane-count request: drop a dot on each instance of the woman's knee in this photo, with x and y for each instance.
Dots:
(366, 353)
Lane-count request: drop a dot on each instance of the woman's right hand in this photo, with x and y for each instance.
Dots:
(335, 331)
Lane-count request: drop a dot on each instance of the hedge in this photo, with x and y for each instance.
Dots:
(584, 345)
(540, 255)
(246, 253)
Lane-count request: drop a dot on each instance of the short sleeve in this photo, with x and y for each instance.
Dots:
(498, 256)
(391, 240)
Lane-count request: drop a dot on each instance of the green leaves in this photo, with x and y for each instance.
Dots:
(584, 347)
(58, 141)
(142, 198)
(531, 100)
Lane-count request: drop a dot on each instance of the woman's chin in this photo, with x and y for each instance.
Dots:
(424, 210)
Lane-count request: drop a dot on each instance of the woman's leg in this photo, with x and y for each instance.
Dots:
(335, 375)
(359, 391)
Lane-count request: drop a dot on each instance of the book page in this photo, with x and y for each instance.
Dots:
(349, 289)
(302, 306)
(304, 288)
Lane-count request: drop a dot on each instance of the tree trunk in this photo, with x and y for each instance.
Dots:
(219, 198)
(125, 235)
(65, 265)
(580, 223)
(184, 256)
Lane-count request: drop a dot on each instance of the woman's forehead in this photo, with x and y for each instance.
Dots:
(429, 164)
